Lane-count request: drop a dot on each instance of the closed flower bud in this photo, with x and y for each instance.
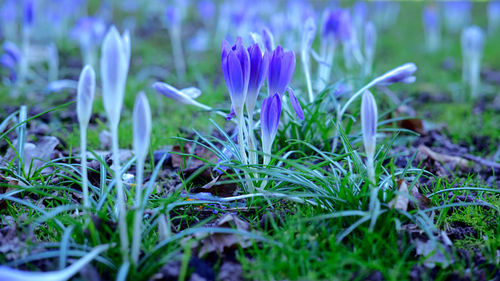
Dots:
(269, 120)
(115, 58)
(281, 68)
(369, 122)
(142, 125)
(85, 95)
(236, 70)
(402, 74)
(258, 71)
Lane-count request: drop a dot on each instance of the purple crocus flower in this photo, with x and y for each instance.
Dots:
(269, 121)
(236, 70)
(89, 31)
(13, 51)
(28, 12)
(337, 25)
(258, 71)
(281, 68)
(369, 130)
(206, 10)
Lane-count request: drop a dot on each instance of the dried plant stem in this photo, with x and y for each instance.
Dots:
(120, 196)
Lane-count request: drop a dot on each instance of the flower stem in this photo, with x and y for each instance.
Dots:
(241, 143)
(85, 184)
(136, 238)
(120, 196)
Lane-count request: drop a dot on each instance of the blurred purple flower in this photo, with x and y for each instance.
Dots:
(206, 10)
(337, 25)
(281, 68)
(258, 71)
(172, 16)
(235, 63)
(28, 12)
(430, 17)
(89, 31)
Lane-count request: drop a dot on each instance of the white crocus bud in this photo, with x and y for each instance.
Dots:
(472, 51)
(369, 130)
(142, 125)
(85, 95)
(115, 58)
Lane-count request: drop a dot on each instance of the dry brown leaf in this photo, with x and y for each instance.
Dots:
(402, 199)
(218, 242)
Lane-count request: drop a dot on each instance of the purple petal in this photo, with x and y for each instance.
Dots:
(230, 115)
(295, 104)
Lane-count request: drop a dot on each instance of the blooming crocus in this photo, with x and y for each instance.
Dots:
(472, 51)
(142, 133)
(308, 35)
(84, 100)
(236, 70)
(281, 68)
(258, 71)
(269, 120)
(493, 16)
(115, 59)
(432, 28)
(370, 44)
(369, 130)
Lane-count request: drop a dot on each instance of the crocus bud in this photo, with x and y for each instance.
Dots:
(457, 14)
(258, 71)
(370, 44)
(268, 39)
(432, 28)
(472, 50)
(493, 16)
(115, 57)
(142, 125)
(308, 34)
(369, 122)
(28, 12)
(173, 93)
(472, 41)
(269, 120)
(402, 74)
(295, 104)
(85, 95)
(13, 51)
(281, 68)
(236, 71)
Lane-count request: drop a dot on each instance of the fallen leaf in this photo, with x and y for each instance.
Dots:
(218, 242)
(400, 202)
